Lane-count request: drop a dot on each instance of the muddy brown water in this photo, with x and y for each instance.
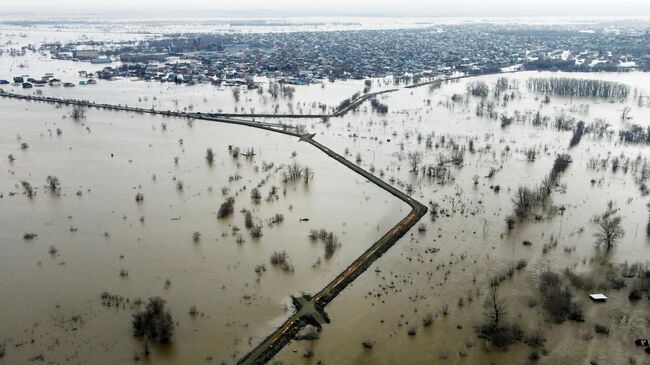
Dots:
(217, 274)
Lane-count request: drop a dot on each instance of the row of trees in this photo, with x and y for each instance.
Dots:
(566, 86)
(295, 172)
(479, 88)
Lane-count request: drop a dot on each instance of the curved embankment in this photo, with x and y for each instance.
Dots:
(312, 310)
(458, 78)
(358, 101)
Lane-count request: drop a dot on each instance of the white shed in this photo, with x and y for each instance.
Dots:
(598, 297)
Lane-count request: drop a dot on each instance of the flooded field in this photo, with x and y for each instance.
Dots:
(447, 266)
(134, 189)
(94, 237)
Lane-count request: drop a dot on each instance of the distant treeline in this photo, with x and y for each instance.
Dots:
(565, 86)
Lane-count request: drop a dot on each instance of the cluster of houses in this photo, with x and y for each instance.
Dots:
(48, 79)
(306, 57)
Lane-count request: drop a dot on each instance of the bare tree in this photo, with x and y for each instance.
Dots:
(610, 231)
(495, 329)
(496, 308)
(293, 172)
(415, 159)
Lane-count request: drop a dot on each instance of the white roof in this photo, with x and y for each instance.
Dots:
(597, 296)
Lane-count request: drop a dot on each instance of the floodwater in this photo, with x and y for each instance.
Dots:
(216, 274)
(474, 245)
(54, 308)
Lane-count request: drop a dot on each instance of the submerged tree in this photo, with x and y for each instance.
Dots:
(495, 329)
(479, 88)
(578, 131)
(209, 155)
(155, 322)
(28, 188)
(415, 159)
(53, 182)
(609, 231)
(78, 112)
(308, 174)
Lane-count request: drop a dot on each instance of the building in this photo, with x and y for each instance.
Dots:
(85, 54)
(99, 60)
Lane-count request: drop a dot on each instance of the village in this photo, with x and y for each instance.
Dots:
(408, 55)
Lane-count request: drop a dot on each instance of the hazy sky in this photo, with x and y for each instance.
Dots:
(340, 7)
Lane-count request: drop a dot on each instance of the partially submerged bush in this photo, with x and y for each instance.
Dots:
(427, 320)
(281, 259)
(209, 155)
(276, 219)
(329, 239)
(248, 219)
(256, 196)
(256, 231)
(28, 188)
(53, 182)
(599, 328)
(557, 299)
(226, 208)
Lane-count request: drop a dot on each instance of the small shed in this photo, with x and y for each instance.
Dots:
(598, 297)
